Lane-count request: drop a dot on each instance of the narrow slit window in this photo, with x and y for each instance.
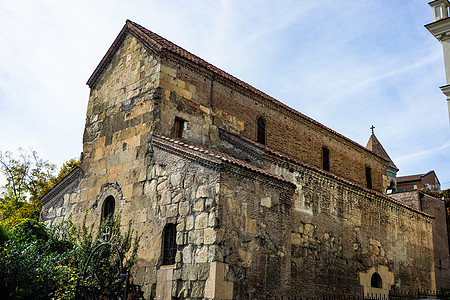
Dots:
(108, 207)
(178, 127)
(169, 244)
(261, 131)
(368, 177)
(376, 281)
(325, 159)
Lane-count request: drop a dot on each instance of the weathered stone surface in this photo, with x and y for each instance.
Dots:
(187, 254)
(199, 205)
(201, 220)
(209, 236)
(266, 234)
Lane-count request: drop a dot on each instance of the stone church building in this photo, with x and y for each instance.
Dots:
(235, 194)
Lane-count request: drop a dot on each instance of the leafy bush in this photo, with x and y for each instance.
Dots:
(41, 263)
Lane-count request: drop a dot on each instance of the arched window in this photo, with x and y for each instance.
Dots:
(261, 131)
(325, 158)
(368, 177)
(169, 244)
(108, 207)
(376, 281)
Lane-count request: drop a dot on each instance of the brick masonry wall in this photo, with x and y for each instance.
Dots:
(257, 242)
(436, 208)
(339, 232)
(229, 222)
(228, 107)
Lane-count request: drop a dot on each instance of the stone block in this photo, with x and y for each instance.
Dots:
(202, 191)
(162, 185)
(180, 238)
(184, 290)
(209, 203)
(172, 210)
(201, 220)
(189, 272)
(166, 197)
(181, 224)
(150, 187)
(209, 236)
(201, 254)
(196, 237)
(177, 198)
(203, 271)
(184, 208)
(175, 179)
(268, 202)
(187, 254)
(178, 257)
(212, 220)
(254, 245)
(159, 171)
(199, 205)
(189, 222)
(197, 289)
(296, 238)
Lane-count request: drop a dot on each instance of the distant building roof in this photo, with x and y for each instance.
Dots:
(375, 146)
(413, 178)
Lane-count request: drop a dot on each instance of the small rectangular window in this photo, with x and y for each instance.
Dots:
(368, 177)
(178, 127)
(325, 159)
(261, 131)
(438, 12)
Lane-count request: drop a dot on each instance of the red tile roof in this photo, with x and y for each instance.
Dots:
(160, 44)
(401, 179)
(216, 154)
(375, 146)
(412, 178)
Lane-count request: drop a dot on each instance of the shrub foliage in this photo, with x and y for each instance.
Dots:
(41, 263)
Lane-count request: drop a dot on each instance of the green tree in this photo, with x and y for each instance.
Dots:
(44, 263)
(27, 178)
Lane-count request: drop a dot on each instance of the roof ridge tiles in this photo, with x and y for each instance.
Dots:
(216, 153)
(233, 160)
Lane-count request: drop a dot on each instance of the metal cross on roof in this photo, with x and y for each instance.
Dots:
(373, 127)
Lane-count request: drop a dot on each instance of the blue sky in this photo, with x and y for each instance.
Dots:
(346, 64)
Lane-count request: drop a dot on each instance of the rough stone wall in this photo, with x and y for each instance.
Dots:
(180, 99)
(410, 198)
(117, 161)
(61, 210)
(257, 242)
(121, 110)
(339, 233)
(185, 194)
(59, 203)
(230, 107)
(234, 232)
(436, 208)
